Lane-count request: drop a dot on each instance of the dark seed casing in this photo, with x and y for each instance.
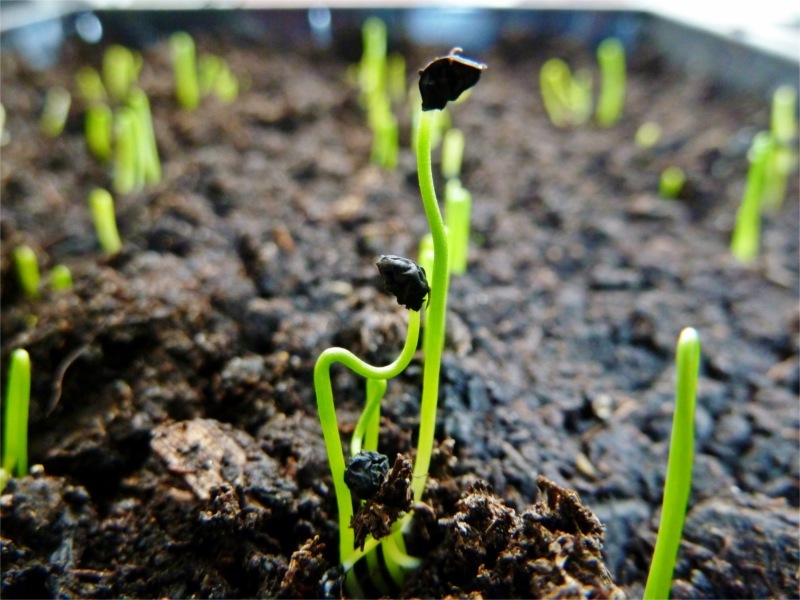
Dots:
(405, 279)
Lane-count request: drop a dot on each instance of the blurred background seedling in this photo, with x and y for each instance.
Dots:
(27, 267)
(57, 101)
(60, 278)
(101, 205)
(747, 229)
(15, 416)
(611, 59)
(647, 135)
(671, 182)
(121, 68)
(187, 88)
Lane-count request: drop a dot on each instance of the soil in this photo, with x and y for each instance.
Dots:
(173, 411)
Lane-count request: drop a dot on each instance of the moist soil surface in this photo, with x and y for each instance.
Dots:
(173, 411)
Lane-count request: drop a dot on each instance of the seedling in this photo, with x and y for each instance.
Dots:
(671, 182)
(567, 99)
(121, 68)
(457, 209)
(187, 89)
(452, 153)
(55, 112)
(15, 429)
(27, 270)
(147, 151)
(101, 205)
(98, 127)
(396, 77)
(214, 76)
(679, 468)
(60, 278)
(611, 58)
(746, 232)
(90, 85)
(648, 135)
(782, 157)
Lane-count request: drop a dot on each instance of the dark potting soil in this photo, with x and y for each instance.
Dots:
(172, 403)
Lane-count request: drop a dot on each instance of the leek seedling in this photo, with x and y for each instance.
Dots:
(55, 112)
(457, 209)
(214, 76)
(746, 231)
(98, 127)
(679, 468)
(60, 278)
(226, 86)
(782, 157)
(128, 152)
(396, 77)
(90, 85)
(567, 99)
(452, 153)
(27, 270)
(101, 205)
(647, 135)
(15, 428)
(120, 70)
(611, 58)
(148, 151)
(671, 182)
(187, 89)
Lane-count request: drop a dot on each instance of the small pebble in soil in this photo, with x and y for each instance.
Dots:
(366, 472)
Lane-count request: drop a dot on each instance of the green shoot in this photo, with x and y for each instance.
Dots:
(611, 58)
(90, 85)
(101, 205)
(746, 232)
(372, 70)
(128, 155)
(425, 254)
(60, 278)
(647, 135)
(437, 309)
(365, 435)
(214, 76)
(329, 423)
(226, 86)
(782, 157)
(457, 209)
(148, 151)
(679, 468)
(27, 270)
(98, 127)
(120, 70)
(55, 112)
(567, 99)
(396, 77)
(452, 153)
(187, 89)
(15, 430)
(385, 132)
(671, 182)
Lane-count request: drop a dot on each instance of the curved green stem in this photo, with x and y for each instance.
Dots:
(329, 423)
(435, 324)
(365, 435)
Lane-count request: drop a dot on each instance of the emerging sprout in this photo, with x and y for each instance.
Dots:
(671, 182)
(15, 428)
(782, 158)
(679, 467)
(101, 205)
(648, 135)
(457, 209)
(396, 77)
(98, 126)
(452, 153)
(147, 152)
(55, 112)
(120, 70)
(60, 278)
(187, 89)
(27, 270)
(445, 78)
(567, 99)
(746, 231)
(90, 85)
(611, 58)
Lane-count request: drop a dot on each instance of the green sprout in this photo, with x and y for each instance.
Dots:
(214, 76)
(90, 85)
(679, 468)
(129, 151)
(60, 278)
(187, 89)
(782, 157)
(671, 182)
(98, 127)
(396, 77)
(101, 205)
(611, 58)
(747, 230)
(647, 135)
(55, 111)
(15, 428)
(27, 270)
(452, 153)
(567, 98)
(457, 209)
(147, 150)
(121, 68)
